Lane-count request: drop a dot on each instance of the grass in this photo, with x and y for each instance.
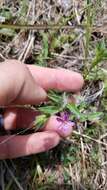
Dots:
(80, 161)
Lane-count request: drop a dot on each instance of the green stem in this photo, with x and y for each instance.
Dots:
(38, 27)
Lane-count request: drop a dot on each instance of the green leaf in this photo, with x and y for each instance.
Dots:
(55, 43)
(7, 32)
(56, 98)
(76, 112)
(6, 13)
(39, 122)
(23, 11)
(45, 45)
(73, 109)
(94, 116)
(100, 46)
(100, 53)
(50, 110)
(45, 49)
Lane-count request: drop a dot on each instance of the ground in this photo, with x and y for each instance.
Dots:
(77, 43)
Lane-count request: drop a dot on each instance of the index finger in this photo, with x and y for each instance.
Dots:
(59, 79)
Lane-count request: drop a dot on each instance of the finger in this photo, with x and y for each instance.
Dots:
(16, 118)
(63, 128)
(24, 118)
(60, 79)
(25, 145)
(17, 86)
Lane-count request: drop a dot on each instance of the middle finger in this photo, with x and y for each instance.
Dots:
(15, 118)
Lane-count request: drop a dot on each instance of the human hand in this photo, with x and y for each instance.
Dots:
(22, 84)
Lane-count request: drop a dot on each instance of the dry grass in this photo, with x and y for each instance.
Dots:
(80, 162)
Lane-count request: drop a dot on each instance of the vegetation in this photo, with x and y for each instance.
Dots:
(77, 40)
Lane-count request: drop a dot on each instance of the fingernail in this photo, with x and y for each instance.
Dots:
(10, 119)
(42, 93)
(65, 127)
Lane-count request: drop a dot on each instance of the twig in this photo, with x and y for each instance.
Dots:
(90, 138)
(31, 37)
(2, 57)
(2, 176)
(10, 137)
(38, 27)
(14, 178)
(95, 28)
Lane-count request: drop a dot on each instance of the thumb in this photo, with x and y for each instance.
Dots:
(17, 85)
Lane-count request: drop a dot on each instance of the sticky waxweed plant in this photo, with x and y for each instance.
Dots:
(44, 53)
(53, 40)
(90, 18)
(6, 15)
(89, 15)
(96, 72)
(22, 12)
(80, 112)
(61, 105)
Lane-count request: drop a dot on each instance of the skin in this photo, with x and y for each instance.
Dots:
(20, 85)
